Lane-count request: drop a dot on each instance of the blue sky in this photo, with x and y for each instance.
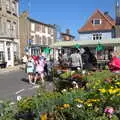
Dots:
(70, 14)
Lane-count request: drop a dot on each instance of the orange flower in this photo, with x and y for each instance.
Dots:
(66, 105)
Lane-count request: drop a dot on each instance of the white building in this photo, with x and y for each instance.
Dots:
(9, 31)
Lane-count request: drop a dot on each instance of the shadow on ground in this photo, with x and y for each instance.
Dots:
(25, 80)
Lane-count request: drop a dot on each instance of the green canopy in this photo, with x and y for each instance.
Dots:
(47, 50)
(99, 47)
(77, 46)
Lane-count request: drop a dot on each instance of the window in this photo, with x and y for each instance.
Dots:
(52, 31)
(4, 27)
(43, 28)
(96, 21)
(37, 39)
(0, 25)
(49, 30)
(8, 50)
(40, 42)
(15, 56)
(14, 29)
(8, 5)
(1, 56)
(8, 26)
(0, 4)
(97, 36)
(38, 27)
(32, 27)
(32, 37)
(14, 10)
(49, 41)
(44, 40)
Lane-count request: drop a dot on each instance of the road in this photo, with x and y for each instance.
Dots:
(13, 84)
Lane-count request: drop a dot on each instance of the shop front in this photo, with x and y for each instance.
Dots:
(8, 53)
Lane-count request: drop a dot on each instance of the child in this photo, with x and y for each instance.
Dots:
(30, 69)
(39, 70)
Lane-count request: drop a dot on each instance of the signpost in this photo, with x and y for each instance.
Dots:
(29, 46)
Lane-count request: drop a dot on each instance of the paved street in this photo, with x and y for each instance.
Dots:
(12, 84)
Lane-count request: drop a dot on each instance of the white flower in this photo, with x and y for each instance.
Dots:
(64, 90)
(75, 84)
(83, 72)
(12, 103)
(79, 105)
(72, 72)
(78, 68)
(19, 98)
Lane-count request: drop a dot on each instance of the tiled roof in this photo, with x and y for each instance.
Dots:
(106, 24)
(36, 21)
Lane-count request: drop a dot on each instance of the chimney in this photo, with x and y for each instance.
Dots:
(68, 31)
(25, 14)
(106, 13)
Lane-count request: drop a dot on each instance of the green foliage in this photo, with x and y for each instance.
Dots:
(86, 103)
(7, 111)
(26, 104)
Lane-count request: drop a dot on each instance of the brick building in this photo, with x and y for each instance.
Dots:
(67, 36)
(39, 33)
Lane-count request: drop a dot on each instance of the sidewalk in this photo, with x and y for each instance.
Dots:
(9, 69)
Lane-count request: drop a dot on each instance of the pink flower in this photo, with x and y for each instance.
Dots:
(109, 111)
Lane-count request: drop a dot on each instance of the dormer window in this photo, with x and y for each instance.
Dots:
(96, 21)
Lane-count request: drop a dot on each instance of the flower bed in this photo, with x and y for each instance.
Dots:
(97, 99)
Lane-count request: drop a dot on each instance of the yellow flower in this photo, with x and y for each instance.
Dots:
(118, 94)
(93, 100)
(113, 91)
(111, 87)
(102, 90)
(88, 104)
(78, 100)
(66, 105)
(60, 108)
(43, 116)
(117, 83)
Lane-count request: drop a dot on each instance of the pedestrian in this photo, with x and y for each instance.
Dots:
(89, 60)
(30, 67)
(76, 60)
(39, 71)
